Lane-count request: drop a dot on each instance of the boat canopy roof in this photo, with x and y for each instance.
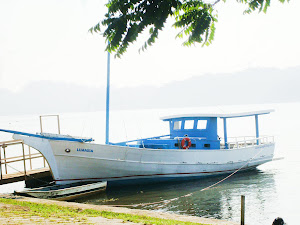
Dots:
(215, 115)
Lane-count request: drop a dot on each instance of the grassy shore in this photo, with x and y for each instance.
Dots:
(61, 214)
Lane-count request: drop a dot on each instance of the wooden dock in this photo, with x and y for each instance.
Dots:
(27, 172)
(31, 174)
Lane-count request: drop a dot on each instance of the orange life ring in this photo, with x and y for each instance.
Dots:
(183, 143)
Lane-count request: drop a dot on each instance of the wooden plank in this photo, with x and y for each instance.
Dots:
(18, 160)
(12, 142)
(16, 157)
(15, 177)
(8, 160)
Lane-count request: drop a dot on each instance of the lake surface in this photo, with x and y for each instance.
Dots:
(270, 191)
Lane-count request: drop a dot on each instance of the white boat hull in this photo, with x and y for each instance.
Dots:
(73, 161)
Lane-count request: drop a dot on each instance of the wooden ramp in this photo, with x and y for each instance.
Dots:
(27, 173)
(31, 174)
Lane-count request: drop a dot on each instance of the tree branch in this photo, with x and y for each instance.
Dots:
(216, 2)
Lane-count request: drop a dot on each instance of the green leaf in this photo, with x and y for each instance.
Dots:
(126, 20)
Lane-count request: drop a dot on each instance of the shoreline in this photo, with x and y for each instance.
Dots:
(116, 210)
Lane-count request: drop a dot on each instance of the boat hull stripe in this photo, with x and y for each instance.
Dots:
(151, 175)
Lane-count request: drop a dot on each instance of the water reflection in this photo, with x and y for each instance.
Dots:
(222, 201)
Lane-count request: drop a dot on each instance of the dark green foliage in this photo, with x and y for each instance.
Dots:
(126, 19)
(260, 5)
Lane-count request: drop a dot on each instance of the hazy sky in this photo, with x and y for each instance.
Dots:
(49, 40)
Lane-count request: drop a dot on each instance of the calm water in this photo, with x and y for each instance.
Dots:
(271, 190)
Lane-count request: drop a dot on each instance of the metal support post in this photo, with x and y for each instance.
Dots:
(58, 124)
(41, 124)
(257, 130)
(24, 161)
(1, 164)
(225, 133)
(242, 210)
(4, 156)
(30, 161)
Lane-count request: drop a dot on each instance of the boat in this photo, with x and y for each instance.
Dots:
(192, 149)
(64, 192)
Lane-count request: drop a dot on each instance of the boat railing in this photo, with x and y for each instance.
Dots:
(125, 143)
(243, 142)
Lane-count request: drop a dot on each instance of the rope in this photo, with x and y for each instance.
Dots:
(190, 194)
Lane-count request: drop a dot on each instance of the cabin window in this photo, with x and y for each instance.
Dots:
(189, 124)
(177, 125)
(202, 124)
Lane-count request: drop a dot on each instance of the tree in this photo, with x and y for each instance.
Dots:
(127, 19)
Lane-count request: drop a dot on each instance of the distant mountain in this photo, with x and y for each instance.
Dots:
(48, 96)
(252, 86)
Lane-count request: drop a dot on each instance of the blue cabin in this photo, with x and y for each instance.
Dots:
(202, 131)
(193, 132)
